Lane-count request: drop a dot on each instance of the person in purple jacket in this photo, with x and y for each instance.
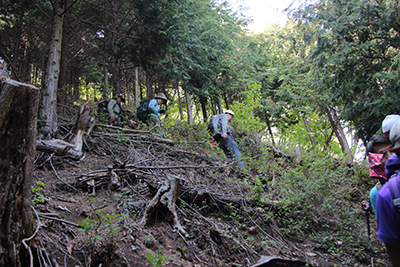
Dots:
(388, 215)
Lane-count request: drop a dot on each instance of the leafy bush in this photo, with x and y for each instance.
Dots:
(157, 260)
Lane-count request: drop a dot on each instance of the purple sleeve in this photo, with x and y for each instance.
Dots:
(388, 217)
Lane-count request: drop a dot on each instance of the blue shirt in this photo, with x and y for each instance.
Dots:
(154, 108)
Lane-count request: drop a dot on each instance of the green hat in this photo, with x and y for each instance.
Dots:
(161, 96)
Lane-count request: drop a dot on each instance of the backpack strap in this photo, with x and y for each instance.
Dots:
(394, 185)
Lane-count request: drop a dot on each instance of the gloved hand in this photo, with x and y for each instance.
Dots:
(161, 111)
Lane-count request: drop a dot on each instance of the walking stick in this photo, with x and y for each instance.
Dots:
(365, 206)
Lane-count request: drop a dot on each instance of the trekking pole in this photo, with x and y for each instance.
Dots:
(365, 206)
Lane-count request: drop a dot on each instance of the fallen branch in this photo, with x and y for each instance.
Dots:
(57, 219)
(148, 136)
(39, 224)
(167, 167)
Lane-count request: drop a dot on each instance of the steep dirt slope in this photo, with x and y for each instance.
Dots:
(87, 221)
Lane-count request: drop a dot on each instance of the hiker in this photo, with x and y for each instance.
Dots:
(381, 158)
(149, 111)
(218, 126)
(388, 122)
(114, 110)
(388, 213)
(393, 163)
(378, 152)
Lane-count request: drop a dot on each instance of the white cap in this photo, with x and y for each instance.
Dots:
(395, 135)
(389, 121)
(229, 112)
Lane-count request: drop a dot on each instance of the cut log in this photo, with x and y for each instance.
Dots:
(73, 149)
(166, 197)
(59, 147)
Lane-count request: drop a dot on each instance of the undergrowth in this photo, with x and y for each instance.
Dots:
(316, 197)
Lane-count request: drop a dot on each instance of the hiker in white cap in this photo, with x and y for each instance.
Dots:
(388, 122)
(218, 126)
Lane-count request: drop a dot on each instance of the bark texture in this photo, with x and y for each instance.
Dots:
(19, 104)
(49, 104)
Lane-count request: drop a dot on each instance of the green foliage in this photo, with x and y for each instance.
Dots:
(99, 225)
(355, 61)
(296, 135)
(89, 92)
(244, 110)
(37, 197)
(316, 201)
(157, 260)
(148, 242)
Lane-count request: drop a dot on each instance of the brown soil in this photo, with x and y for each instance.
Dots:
(218, 233)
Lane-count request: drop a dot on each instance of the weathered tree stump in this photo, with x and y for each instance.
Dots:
(73, 149)
(166, 197)
(18, 119)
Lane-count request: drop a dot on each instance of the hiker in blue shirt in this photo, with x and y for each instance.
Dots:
(154, 108)
(149, 112)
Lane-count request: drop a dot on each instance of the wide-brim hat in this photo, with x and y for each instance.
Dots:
(161, 96)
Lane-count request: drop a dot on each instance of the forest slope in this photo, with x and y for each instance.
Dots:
(306, 210)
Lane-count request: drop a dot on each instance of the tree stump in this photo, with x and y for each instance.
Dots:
(73, 149)
(166, 197)
(18, 119)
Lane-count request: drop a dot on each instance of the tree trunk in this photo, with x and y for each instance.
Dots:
(62, 83)
(337, 128)
(105, 92)
(49, 103)
(203, 102)
(149, 85)
(25, 66)
(270, 130)
(75, 82)
(18, 120)
(179, 99)
(136, 87)
(188, 107)
(15, 58)
(128, 91)
(115, 78)
(310, 133)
